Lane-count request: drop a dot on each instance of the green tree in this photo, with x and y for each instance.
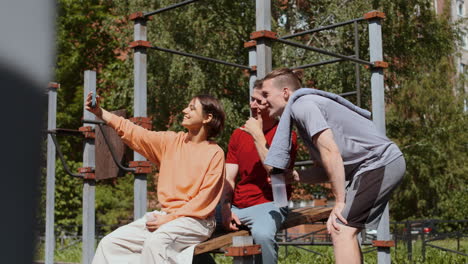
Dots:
(417, 44)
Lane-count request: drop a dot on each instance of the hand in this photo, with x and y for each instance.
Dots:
(332, 225)
(97, 110)
(254, 126)
(291, 176)
(230, 219)
(160, 220)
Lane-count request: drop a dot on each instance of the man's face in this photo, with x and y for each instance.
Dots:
(258, 105)
(274, 97)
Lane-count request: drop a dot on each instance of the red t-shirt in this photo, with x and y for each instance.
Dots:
(252, 187)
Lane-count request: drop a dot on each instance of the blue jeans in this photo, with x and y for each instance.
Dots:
(263, 220)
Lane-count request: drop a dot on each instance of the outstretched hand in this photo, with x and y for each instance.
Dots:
(332, 225)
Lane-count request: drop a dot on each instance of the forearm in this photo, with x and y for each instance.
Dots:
(105, 115)
(229, 184)
(228, 192)
(262, 150)
(333, 165)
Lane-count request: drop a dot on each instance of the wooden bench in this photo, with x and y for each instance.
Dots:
(295, 217)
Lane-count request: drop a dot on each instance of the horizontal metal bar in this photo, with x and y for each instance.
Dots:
(309, 250)
(311, 243)
(168, 8)
(348, 93)
(306, 235)
(322, 28)
(298, 45)
(303, 163)
(446, 249)
(318, 64)
(97, 122)
(65, 131)
(201, 57)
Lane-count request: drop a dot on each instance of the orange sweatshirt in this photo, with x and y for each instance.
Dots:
(191, 175)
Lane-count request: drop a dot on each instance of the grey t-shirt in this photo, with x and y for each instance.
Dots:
(362, 147)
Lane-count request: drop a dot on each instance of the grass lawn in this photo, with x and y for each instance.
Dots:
(70, 252)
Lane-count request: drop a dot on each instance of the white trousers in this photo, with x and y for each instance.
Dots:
(173, 242)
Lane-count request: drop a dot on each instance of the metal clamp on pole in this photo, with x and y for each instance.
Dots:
(380, 64)
(88, 132)
(141, 167)
(374, 15)
(140, 44)
(87, 172)
(243, 251)
(263, 34)
(383, 243)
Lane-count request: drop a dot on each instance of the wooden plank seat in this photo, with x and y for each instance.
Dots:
(295, 217)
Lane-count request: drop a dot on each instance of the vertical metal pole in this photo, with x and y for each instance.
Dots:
(89, 186)
(409, 241)
(50, 181)
(139, 110)
(263, 22)
(378, 113)
(253, 74)
(241, 241)
(356, 65)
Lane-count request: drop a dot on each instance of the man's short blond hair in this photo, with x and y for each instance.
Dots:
(285, 77)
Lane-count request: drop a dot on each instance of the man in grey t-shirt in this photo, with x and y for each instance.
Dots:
(363, 165)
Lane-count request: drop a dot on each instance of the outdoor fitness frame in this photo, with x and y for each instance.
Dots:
(260, 64)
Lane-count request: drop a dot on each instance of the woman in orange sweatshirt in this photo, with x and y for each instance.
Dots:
(190, 182)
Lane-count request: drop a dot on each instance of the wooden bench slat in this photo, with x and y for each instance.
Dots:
(295, 217)
(218, 242)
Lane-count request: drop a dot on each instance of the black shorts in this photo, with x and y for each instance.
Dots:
(368, 193)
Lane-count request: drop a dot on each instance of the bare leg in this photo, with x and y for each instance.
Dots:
(346, 246)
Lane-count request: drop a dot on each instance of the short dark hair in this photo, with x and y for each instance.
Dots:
(211, 105)
(258, 84)
(286, 77)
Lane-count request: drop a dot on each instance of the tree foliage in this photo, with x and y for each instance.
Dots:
(424, 113)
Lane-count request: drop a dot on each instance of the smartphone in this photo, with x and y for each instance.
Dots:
(93, 101)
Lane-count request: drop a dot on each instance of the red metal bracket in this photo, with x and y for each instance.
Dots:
(380, 64)
(144, 122)
(142, 167)
(383, 243)
(88, 173)
(138, 15)
(253, 68)
(243, 251)
(250, 44)
(53, 85)
(140, 43)
(87, 131)
(374, 14)
(263, 34)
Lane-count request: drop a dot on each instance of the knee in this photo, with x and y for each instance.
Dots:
(106, 242)
(158, 240)
(345, 235)
(262, 236)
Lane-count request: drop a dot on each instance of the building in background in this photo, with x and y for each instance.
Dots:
(458, 14)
